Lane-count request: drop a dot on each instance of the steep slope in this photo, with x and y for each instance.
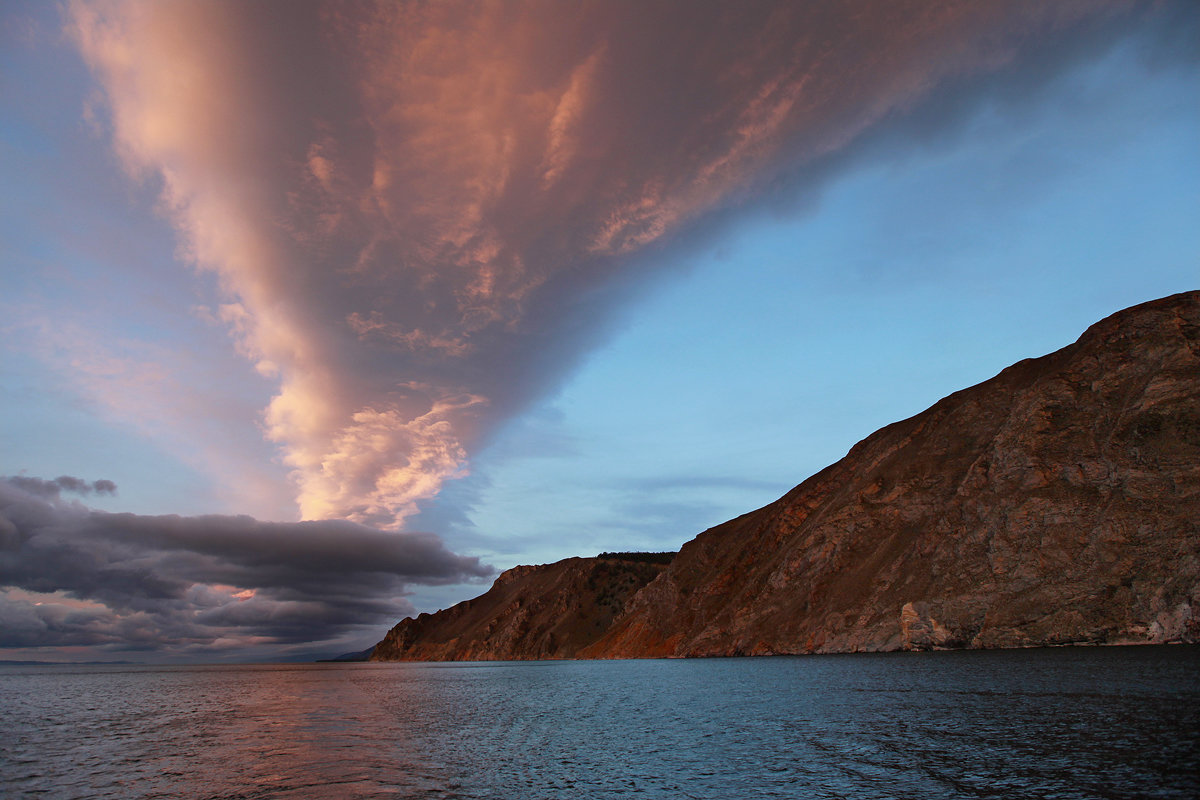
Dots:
(531, 612)
(1058, 502)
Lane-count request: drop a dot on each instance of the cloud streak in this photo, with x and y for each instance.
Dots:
(422, 214)
(179, 398)
(74, 576)
(52, 490)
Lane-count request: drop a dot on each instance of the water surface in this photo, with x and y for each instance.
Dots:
(1061, 723)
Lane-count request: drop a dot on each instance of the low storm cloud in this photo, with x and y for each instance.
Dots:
(75, 576)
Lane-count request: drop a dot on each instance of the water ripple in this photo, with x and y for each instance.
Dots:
(1069, 724)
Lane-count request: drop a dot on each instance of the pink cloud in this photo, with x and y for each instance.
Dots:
(409, 205)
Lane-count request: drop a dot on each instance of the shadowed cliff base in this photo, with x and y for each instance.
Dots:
(1057, 503)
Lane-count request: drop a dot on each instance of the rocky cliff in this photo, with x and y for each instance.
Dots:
(1057, 503)
(531, 612)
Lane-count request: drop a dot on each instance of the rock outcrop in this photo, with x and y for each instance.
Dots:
(1057, 503)
(531, 612)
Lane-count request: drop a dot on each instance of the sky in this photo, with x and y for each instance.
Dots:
(314, 315)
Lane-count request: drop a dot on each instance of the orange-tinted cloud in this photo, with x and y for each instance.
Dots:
(414, 206)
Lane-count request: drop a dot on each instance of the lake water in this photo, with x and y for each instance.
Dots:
(1062, 723)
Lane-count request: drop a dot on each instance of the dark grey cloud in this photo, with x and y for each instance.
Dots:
(63, 483)
(77, 576)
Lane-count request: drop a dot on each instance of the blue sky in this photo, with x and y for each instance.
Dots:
(658, 351)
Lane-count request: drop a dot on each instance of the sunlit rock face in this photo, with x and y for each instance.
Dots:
(531, 612)
(1057, 503)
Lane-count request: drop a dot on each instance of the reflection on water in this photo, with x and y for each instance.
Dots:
(1069, 723)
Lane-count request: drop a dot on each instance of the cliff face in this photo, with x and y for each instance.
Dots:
(532, 612)
(1056, 503)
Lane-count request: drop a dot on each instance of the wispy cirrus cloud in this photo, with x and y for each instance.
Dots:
(418, 210)
(175, 397)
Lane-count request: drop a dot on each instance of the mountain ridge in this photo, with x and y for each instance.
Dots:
(1054, 503)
